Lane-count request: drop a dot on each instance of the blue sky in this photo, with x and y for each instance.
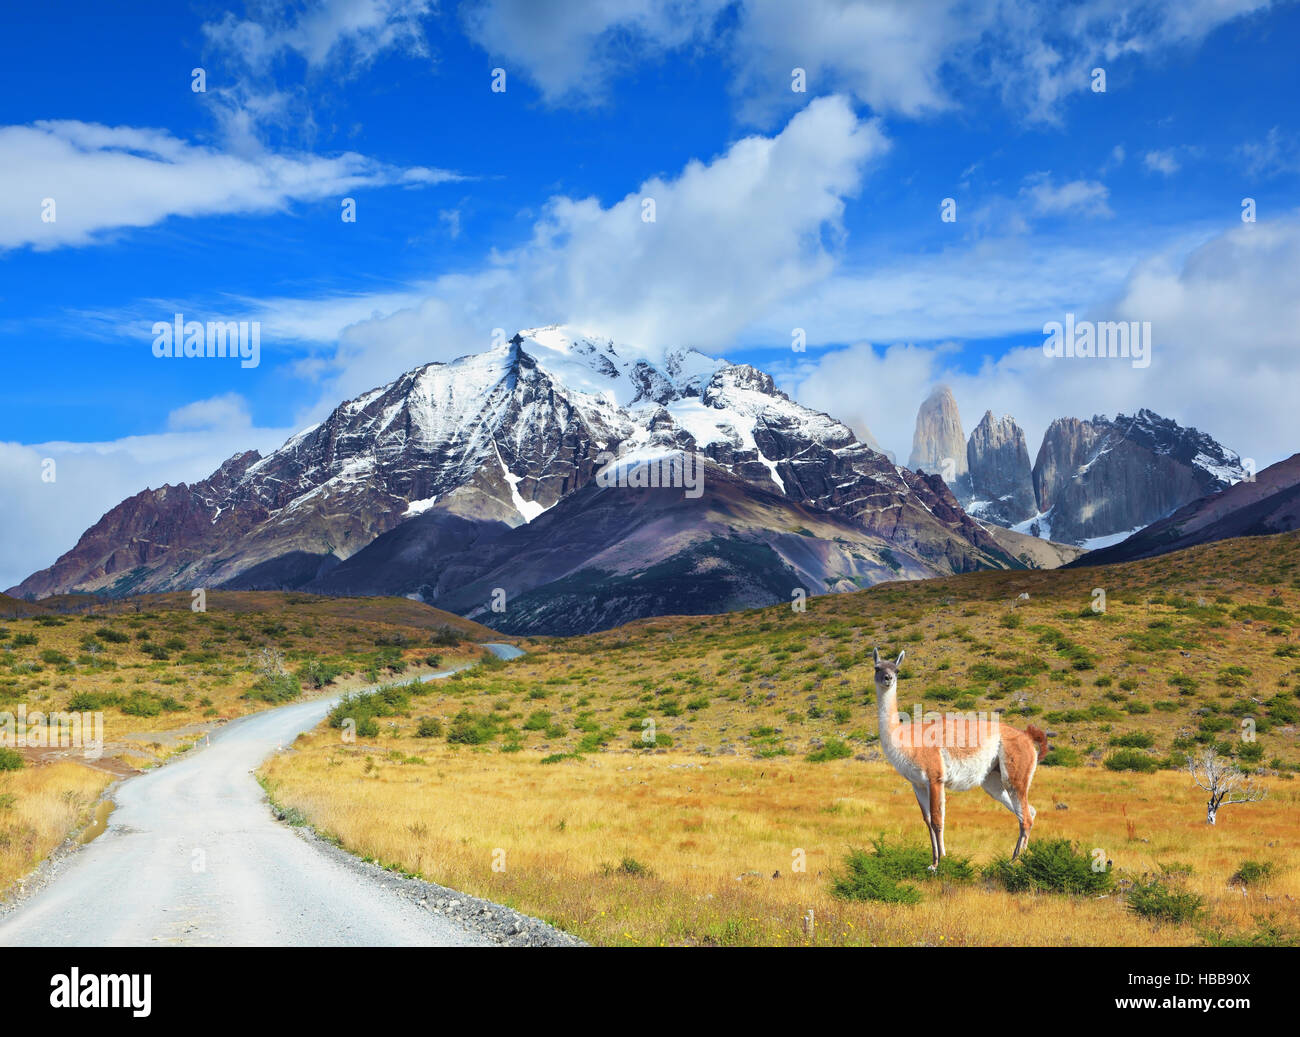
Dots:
(776, 210)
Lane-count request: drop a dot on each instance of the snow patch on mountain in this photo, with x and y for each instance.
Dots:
(1094, 543)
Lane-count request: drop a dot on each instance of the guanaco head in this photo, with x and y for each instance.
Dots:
(886, 672)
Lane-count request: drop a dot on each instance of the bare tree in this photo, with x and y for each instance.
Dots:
(1223, 782)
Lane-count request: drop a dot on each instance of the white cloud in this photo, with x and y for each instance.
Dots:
(890, 55)
(44, 519)
(1087, 197)
(1165, 162)
(229, 411)
(571, 50)
(756, 226)
(105, 178)
(898, 56)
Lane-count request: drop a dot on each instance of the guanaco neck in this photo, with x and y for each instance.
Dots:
(887, 705)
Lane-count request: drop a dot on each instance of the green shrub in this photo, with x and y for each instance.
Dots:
(142, 705)
(1050, 866)
(1251, 872)
(1134, 740)
(832, 749)
(363, 707)
(10, 760)
(316, 673)
(429, 727)
(273, 688)
(1160, 902)
(1061, 756)
(1250, 752)
(593, 741)
(471, 728)
(883, 874)
(1131, 760)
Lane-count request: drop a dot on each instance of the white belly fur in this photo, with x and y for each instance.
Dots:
(967, 772)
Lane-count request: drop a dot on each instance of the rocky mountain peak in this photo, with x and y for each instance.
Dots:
(939, 444)
(1001, 480)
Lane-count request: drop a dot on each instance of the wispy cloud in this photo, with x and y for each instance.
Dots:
(1086, 197)
(342, 33)
(101, 179)
(1277, 154)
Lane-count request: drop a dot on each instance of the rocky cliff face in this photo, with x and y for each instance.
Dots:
(1269, 504)
(938, 444)
(1093, 481)
(1001, 479)
(501, 437)
(1099, 479)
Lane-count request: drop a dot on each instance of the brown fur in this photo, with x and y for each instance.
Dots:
(1039, 736)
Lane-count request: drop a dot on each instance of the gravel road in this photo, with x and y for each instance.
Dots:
(194, 856)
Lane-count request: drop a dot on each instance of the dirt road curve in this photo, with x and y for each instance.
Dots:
(192, 855)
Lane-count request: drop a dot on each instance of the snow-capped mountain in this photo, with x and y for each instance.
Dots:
(501, 437)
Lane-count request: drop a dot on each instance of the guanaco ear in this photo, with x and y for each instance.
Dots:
(899, 660)
(875, 655)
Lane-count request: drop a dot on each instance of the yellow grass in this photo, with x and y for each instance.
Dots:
(38, 808)
(713, 833)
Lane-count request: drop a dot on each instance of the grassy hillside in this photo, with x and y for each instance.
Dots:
(13, 608)
(766, 744)
(162, 676)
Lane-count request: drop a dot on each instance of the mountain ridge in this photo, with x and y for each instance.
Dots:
(501, 437)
